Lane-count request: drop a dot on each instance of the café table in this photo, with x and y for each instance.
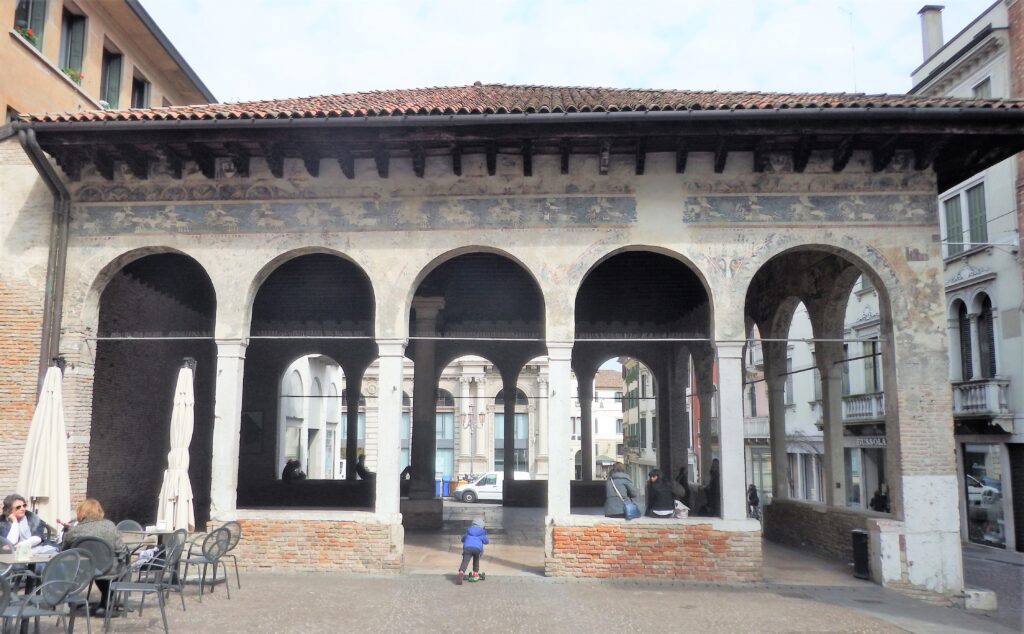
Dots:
(33, 560)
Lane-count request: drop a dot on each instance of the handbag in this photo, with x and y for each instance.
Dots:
(629, 508)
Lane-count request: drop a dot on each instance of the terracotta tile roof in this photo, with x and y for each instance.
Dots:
(507, 99)
(608, 379)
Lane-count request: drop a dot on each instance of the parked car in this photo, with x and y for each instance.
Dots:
(983, 500)
(486, 487)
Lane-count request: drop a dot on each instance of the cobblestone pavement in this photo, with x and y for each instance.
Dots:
(1003, 573)
(311, 602)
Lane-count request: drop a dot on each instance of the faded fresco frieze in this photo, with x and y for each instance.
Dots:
(354, 215)
(903, 209)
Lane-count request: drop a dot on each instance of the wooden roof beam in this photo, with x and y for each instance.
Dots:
(419, 160)
(527, 158)
(881, 156)
(382, 158)
(204, 159)
(802, 153)
(641, 156)
(841, 155)
(311, 160)
(925, 155)
(681, 155)
(721, 154)
(104, 162)
(564, 149)
(71, 161)
(347, 163)
(604, 157)
(136, 160)
(175, 161)
(760, 155)
(491, 149)
(273, 153)
(240, 156)
(457, 159)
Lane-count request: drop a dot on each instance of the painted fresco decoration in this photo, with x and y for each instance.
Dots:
(904, 209)
(354, 215)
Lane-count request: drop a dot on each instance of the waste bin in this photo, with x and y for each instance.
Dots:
(446, 486)
(860, 553)
(437, 487)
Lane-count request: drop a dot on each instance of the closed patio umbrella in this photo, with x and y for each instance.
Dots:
(43, 478)
(175, 508)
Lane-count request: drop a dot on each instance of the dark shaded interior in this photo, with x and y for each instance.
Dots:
(165, 295)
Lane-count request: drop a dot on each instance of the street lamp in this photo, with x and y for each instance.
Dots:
(471, 420)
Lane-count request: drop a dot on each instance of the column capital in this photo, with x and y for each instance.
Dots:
(231, 347)
(427, 307)
(559, 350)
(391, 347)
(730, 349)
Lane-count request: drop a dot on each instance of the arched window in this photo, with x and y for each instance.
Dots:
(292, 401)
(986, 340)
(520, 441)
(964, 327)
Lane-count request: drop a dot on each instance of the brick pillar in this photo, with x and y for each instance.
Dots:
(559, 399)
(389, 443)
(227, 420)
(730, 430)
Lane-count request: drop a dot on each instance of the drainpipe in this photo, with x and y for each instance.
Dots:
(53, 301)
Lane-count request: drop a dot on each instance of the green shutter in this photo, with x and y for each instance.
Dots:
(111, 78)
(976, 213)
(954, 226)
(76, 43)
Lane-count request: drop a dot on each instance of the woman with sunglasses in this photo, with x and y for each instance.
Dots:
(19, 524)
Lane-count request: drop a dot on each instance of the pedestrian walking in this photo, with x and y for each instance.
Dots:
(473, 541)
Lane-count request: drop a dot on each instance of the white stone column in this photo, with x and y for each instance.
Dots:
(542, 418)
(730, 430)
(774, 364)
(834, 460)
(559, 399)
(464, 423)
(389, 438)
(975, 347)
(227, 422)
(484, 439)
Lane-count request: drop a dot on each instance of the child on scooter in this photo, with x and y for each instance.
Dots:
(472, 547)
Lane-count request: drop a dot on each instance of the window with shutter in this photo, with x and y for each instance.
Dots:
(110, 82)
(976, 214)
(72, 41)
(987, 340)
(964, 325)
(30, 15)
(954, 226)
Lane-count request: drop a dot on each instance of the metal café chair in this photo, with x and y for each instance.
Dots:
(214, 546)
(155, 577)
(61, 579)
(129, 525)
(235, 529)
(79, 598)
(105, 564)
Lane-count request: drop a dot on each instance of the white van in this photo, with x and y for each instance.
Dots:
(486, 487)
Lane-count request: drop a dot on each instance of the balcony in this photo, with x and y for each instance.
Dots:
(860, 408)
(755, 427)
(980, 398)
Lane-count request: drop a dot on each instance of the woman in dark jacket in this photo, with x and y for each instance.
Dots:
(617, 480)
(660, 502)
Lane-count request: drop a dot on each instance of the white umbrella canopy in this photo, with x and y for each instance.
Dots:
(43, 478)
(176, 509)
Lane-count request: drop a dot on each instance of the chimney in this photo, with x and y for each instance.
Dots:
(931, 28)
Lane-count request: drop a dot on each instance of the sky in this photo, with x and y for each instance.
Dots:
(267, 49)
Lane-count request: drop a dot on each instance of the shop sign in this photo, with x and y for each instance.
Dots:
(870, 441)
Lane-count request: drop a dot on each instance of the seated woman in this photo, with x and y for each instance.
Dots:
(20, 525)
(660, 502)
(91, 523)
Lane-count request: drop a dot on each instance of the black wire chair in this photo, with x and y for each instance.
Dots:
(213, 549)
(63, 577)
(156, 576)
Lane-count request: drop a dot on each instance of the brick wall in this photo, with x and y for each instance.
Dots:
(674, 549)
(26, 210)
(319, 545)
(823, 529)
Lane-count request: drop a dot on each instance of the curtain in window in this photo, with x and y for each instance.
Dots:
(954, 226)
(987, 340)
(976, 213)
(964, 326)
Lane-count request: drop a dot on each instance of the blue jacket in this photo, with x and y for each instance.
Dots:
(475, 537)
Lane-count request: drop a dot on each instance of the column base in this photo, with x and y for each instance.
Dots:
(422, 514)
